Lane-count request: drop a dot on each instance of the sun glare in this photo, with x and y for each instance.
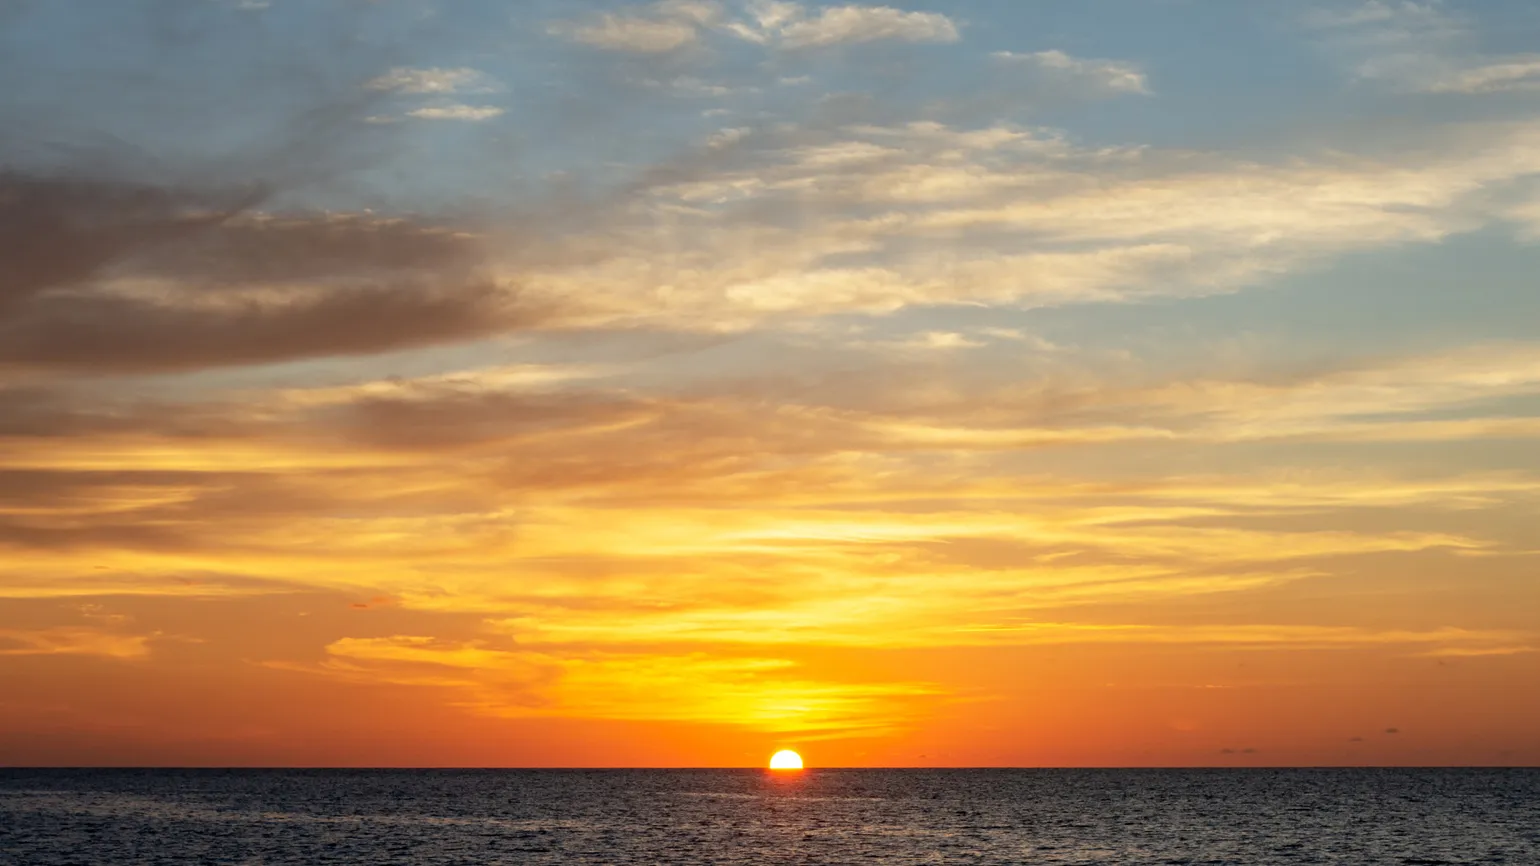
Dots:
(786, 760)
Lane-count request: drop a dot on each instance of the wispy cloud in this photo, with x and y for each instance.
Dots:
(843, 25)
(883, 209)
(473, 113)
(1418, 46)
(654, 29)
(671, 25)
(116, 275)
(763, 694)
(72, 641)
(1110, 76)
(1516, 72)
(434, 80)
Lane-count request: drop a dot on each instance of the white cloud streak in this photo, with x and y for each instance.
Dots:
(472, 113)
(1108, 76)
(658, 28)
(845, 25)
(668, 26)
(434, 80)
(924, 213)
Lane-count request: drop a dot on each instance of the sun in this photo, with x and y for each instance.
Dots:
(786, 759)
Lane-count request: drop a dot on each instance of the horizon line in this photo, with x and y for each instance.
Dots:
(451, 768)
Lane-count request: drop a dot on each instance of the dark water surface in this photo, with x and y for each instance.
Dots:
(1403, 817)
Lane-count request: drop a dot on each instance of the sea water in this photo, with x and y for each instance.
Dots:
(430, 817)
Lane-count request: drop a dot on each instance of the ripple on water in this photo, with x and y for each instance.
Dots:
(1130, 818)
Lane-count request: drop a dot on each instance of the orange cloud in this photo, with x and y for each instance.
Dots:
(72, 641)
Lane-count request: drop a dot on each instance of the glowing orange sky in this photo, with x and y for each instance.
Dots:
(706, 409)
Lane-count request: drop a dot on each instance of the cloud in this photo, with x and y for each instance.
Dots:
(872, 219)
(1108, 76)
(124, 276)
(64, 231)
(757, 693)
(939, 340)
(473, 113)
(1382, 398)
(66, 640)
(434, 80)
(408, 420)
(680, 551)
(1410, 14)
(1422, 48)
(846, 25)
(662, 28)
(669, 26)
(1517, 72)
(1480, 652)
(127, 255)
(118, 334)
(569, 432)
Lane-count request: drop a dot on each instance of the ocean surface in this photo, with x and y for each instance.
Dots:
(1402, 817)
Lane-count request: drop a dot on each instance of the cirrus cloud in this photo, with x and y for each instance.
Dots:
(437, 80)
(472, 113)
(1110, 76)
(668, 26)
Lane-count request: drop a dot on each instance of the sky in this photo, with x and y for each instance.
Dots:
(976, 383)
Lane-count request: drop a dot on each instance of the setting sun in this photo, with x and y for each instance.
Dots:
(786, 760)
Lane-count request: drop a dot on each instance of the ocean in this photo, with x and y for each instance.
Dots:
(431, 817)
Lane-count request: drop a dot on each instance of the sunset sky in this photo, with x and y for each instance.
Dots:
(989, 382)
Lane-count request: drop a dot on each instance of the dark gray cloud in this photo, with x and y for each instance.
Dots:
(278, 249)
(157, 205)
(224, 287)
(63, 232)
